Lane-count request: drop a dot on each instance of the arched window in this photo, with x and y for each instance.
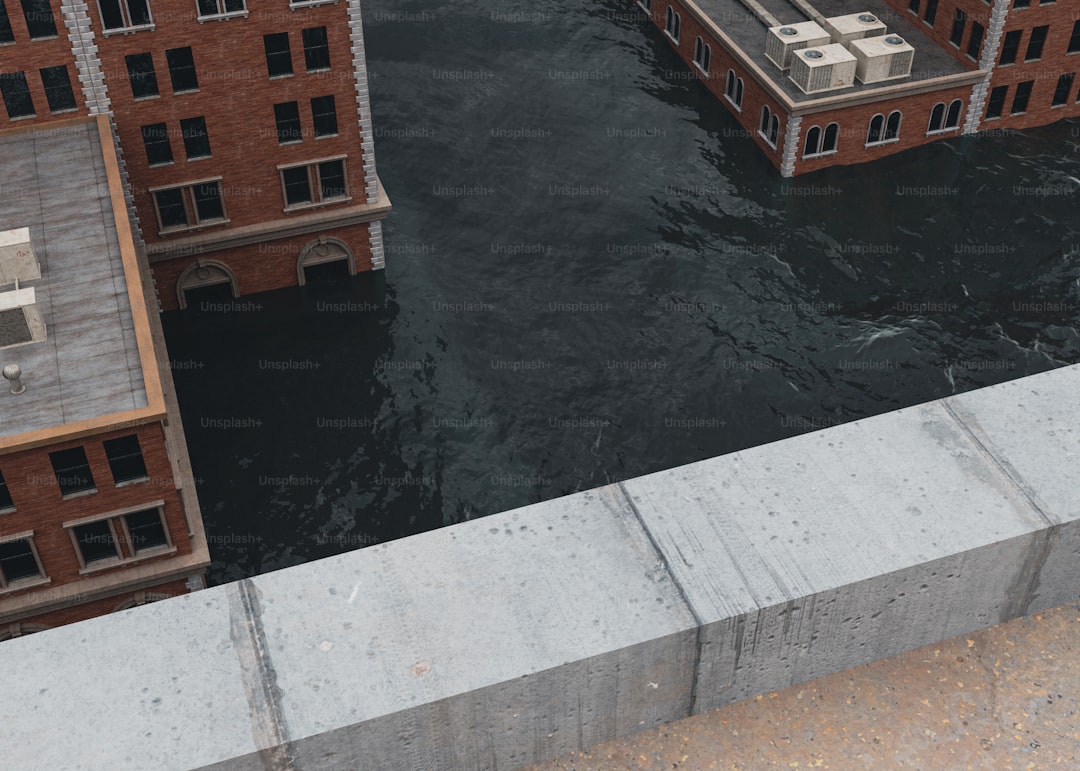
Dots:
(873, 134)
(952, 120)
(733, 89)
(828, 143)
(702, 54)
(892, 126)
(813, 142)
(937, 118)
(706, 58)
(672, 22)
(770, 126)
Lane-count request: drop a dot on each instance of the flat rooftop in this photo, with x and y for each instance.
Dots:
(748, 33)
(55, 183)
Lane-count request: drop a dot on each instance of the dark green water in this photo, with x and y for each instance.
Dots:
(592, 275)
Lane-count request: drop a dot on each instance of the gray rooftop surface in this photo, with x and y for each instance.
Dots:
(89, 367)
(736, 20)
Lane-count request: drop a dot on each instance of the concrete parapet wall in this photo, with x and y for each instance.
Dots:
(527, 634)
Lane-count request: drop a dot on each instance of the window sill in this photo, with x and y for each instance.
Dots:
(311, 4)
(199, 158)
(282, 76)
(45, 37)
(22, 117)
(147, 98)
(733, 103)
(1059, 106)
(948, 130)
(25, 583)
(326, 136)
(814, 156)
(161, 165)
(186, 91)
(317, 70)
(671, 37)
(65, 110)
(883, 142)
(130, 482)
(222, 16)
(129, 30)
(191, 228)
(7, 510)
(765, 139)
(701, 69)
(317, 204)
(78, 494)
(290, 142)
(101, 565)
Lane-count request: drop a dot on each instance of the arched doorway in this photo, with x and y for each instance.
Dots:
(321, 251)
(202, 274)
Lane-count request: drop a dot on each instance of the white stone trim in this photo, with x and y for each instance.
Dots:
(987, 60)
(363, 105)
(791, 146)
(378, 259)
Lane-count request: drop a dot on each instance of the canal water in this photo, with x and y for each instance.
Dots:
(591, 275)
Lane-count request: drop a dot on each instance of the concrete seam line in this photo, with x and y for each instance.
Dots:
(699, 626)
(1001, 466)
(260, 679)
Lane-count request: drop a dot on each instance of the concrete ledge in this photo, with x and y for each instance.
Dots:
(528, 634)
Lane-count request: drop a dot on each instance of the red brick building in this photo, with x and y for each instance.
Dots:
(97, 505)
(816, 85)
(244, 135)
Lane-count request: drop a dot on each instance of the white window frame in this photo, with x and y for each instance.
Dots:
(125, 12)
(737, 86)
(672, 24)
(702, 55)
(309, 4)
(883, 140)
(222, 14)
(24, 583)
(189, 205)
(944, 128)
(125, 545)
(767, 115)
(314, 183)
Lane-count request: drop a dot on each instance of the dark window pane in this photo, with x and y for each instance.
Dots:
(156, 141)
(1020, 100)
(6, 35)
(297, 187)
(5, 495)
(874, 134)
(1035, 43)
(1010, 45)
(16, 94)
(829, 143)
(141, 74)
(208, 8)
(170, 204)
(1064, 88)
(139, 11)
(287, 117)
(892, 128)
(324, 115)
(953, 118)
(58, 91)
(937, 117)
(332, 179)
(72, 470)
(813, 141)
(975, 41)
(316, 49)
(931, 12)
(1021, 3)
(208, 202)
(232, 6)
(958, 28)
(17, 561)
(913, 6)
(96, 541)
(39, 18)
(147, 530)
(125, 456)
(1074, 40)
(278, 56)
(996, 102)
(196, 140)
(182, 70)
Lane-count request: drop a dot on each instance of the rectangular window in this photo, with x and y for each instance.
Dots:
(316, 49)
(16, 95)
(314, 183)
(974, 45)
(39, 18)
(146, 530)
(211, 8)
(324, 115)
(1064, 88)
(1074, 40)
(958, 28)
(125, 14)
(125, 455)
(287, 117)
(1020, 99)
(196, 138)
(155, 139)
(19, 561)
(278, 55)
(141, 74)
(182, 70)
(913, 6)
(58, 92)
(931, 12)
(1021, 3)
(121, 537)
(996, 102)
(72, 470)
(1010, 45)
(5, 496)
(6, 33)
(96, 542)
(189, 206)
(1035, 43)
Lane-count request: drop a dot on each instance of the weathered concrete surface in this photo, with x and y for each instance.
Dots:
(1006, 697)
(534, 632)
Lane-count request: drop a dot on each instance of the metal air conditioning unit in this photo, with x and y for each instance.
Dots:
(882, 58)
(854, 26)
(20, 320)
(823, 69)
(782, 41)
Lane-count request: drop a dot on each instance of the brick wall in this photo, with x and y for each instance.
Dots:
(40, 506)
(263, 266)
(975, 11)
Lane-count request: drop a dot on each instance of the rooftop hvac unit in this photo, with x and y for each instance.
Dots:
(20, 321)
(823, 69)
(882, 58)
(781, 41)
(854, 26)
